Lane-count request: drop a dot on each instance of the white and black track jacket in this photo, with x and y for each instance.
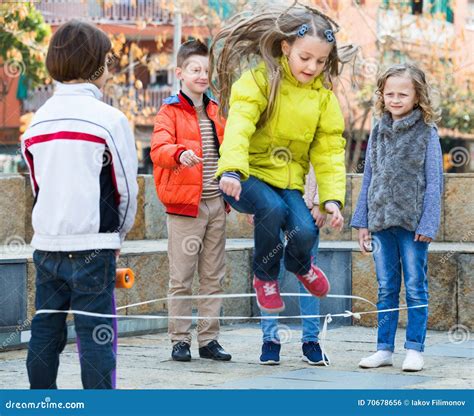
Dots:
(83, 168)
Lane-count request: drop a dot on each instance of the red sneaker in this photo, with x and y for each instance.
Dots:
(268, 296)
(315, 282)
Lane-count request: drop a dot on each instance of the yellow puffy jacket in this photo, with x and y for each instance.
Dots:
(307, 125)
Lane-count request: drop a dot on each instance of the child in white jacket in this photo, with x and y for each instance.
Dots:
(83, 167)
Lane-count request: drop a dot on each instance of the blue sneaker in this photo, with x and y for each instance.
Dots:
(312, 353)
(270, 353)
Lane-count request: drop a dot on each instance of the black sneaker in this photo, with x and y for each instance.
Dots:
(313, 355)
(181, 352)
(214, 351)
(270, 353)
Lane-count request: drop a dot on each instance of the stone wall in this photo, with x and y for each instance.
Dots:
(451, 271)
(16, 204)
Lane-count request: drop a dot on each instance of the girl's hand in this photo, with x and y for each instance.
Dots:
(250, 219)
(423, 238)
(231, 187)
(319, 217)
(188, 158)
(364, 240)
(337, 220)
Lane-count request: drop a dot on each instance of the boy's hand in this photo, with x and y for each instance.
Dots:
(337, 220)
(188, 158)
(319, 217)
(250, 219)
(364, 240)
(231, 187)
(423, 238)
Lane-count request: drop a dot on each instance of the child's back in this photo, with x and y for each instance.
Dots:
(83, 166)
(83, 170)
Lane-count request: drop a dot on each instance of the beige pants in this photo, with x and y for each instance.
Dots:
(196, 241)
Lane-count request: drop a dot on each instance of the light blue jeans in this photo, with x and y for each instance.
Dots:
(309, 305)
(394, 250)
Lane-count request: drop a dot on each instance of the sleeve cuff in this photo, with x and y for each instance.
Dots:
(335, 202)
(233, 175)
(177, 155)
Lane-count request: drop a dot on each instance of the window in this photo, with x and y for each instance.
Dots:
(470, 15)
(444, 7)
(431, 6)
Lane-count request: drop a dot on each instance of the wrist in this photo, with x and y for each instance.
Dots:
(179, 154)
(337, 203)
(232, 175)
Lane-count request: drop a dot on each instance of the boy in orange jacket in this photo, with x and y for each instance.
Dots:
(185, 151)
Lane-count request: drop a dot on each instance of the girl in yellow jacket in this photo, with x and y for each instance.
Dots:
(281, 119)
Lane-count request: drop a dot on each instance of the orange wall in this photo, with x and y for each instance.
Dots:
(10, 106)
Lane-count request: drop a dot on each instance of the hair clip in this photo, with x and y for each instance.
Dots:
(302, 30)
(329, 34)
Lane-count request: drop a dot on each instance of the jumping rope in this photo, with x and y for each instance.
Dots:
(322, 338)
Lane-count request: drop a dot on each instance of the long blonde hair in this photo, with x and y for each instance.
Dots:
(425, 94)
(250, 37)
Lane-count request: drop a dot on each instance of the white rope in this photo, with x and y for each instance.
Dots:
(235, 295)
(322, 337)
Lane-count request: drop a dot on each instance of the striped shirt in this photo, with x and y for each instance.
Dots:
(210, 155)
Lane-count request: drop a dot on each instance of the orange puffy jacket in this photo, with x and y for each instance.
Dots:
(176, 129)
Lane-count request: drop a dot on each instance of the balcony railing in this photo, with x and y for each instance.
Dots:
(112, 11)
(414, 29)
(37, 97)
(148, 98)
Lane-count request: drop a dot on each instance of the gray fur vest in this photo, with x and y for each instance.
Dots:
(397, 158)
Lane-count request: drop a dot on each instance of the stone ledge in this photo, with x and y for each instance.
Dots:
(134, 247)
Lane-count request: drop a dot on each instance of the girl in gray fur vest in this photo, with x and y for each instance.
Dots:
(398, 211)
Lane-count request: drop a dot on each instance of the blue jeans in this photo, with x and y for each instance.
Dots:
(277, 210)
(309, 305)
(81, 280)
(394, 250)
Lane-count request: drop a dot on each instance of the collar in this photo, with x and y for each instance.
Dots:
(316, 84)
(388, 124)
(188, 102)
(84, 88)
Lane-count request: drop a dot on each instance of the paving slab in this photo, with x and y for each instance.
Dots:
(325, 378)
(144, 363)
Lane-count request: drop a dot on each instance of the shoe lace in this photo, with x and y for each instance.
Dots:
(311, 276)
(270, 289)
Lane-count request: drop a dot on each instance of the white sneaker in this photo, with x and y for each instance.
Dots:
(380, 359)
(413, 361)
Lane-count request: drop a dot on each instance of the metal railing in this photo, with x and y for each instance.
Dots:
(146, 98)
(111, 11)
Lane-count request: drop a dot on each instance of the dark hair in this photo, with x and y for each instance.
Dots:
(189, 48)
(77, 51)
